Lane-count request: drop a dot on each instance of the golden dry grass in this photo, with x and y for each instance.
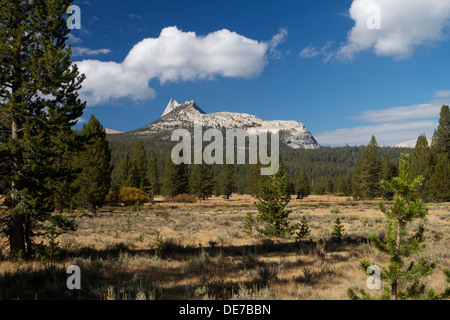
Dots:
(204, 253)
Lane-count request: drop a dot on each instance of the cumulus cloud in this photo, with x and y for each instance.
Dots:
(404, 25)
(175, 56)
(390, 126)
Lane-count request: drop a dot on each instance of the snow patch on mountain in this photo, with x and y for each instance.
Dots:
(410, 144)
(292, 133)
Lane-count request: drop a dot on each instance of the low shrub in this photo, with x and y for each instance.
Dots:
(184, 198)
(130, 196)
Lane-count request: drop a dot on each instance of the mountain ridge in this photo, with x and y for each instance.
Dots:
(292, 133)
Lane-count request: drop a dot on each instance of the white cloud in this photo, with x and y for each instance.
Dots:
(176, 56)
(311, 51)
(74, 39)
(401, 114)
(110, 80)
(442, 94)
(404, 26)
(387, 134)
(276, 40)
(80, 51)
(390, 126)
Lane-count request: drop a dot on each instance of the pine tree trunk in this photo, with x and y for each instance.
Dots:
(394, 288)
(16, 235)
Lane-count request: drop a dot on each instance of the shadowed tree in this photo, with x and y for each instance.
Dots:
(38, 101)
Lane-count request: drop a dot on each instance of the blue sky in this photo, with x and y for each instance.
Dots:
(345, 69)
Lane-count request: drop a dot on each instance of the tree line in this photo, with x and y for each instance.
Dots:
(349, 171)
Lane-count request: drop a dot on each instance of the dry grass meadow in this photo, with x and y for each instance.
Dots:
(199, 251)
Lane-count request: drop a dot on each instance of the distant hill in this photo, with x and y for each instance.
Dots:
(109, 131)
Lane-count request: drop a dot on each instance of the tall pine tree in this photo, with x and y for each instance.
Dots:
(441, 138)
(38, 101)
(138, 167)
(121, 174)
(303, 185)
(226, 181)
(175, 179)
(154, 185)
(94, 181)
(421, 165)
(387, 173)
(366, 179)
(202, 181)
(440, 180)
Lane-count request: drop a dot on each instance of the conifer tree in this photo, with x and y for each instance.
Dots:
(421, 165)
(202, 181)
(303, 185)
(319, 186)
(303, 229)
(387, 173)
(184, 173)
(226, 181)
(248, 224)
(66, 172)
(440, 180)
(175, 179)
(154, 185)
(170, 183)
(252, 179)
(396, 244)
(345, 186)
(273, 197)
(138, 167)
(38, 101)
(121, 176)
(366, 178)
(338, 232)
(441, 138)
(94, 181)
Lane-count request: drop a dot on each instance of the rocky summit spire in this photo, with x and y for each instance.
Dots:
(173, 104)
